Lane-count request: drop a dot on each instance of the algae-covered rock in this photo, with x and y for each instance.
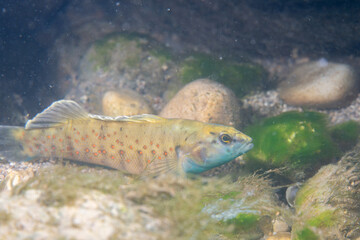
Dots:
(297, 141)
(72, 202)
(124, 103)
(327, 206)
(345, 134)
(206, 101)
(249, 210)
(242, 78)
(123, 61)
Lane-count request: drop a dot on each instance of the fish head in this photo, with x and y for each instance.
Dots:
(214, 146)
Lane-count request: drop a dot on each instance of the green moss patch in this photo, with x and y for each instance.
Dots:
(306, 234)
(325, 219)
(346, 134)
(242, 78)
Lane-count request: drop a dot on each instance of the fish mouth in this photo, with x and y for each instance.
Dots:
(246, 145)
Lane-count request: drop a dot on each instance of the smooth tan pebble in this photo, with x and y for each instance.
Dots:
(280, 236)
(206, 101)
(124, 102)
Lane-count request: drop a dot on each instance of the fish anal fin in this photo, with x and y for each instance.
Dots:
(56, 114)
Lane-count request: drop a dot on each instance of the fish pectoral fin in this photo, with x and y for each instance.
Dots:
(57, 113)
(157, 167)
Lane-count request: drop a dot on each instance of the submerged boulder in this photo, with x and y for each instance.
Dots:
(327, 205)
(319, 84)
(206, 101)
(297, 142)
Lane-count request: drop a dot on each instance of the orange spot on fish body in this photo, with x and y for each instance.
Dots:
(77, 152)
(149, 161)
(153, 151)
(144, 147)
(96, 134)
(117, 141)
(131, 147)
(159, 157)
(99, 151)
(83, 139)
(122, 152)
(165, 153)
(53, 136)
(76, 140)
(53, 147)
(103, 151)
(151, 143)
(49, 137)
(104, 137)
(121, 144)
(140, 152)
(171, 149)
(93, 145)
(78, 133)
(60, 140)
(157, 145)
(95, 154)
(137, 141)
(87, 150)
(128, 160)
(112, 146)
(112, 157)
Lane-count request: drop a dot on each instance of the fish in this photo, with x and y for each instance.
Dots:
(139, 145)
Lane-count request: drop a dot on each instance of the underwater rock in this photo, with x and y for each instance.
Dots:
(319, 84)
(242, 78)
(73, 202)
(297, 142)
(206, 101)
(346, 134)
(123, 61)
(250, 209)
(124, 103)
(15, 177)
(327, 206)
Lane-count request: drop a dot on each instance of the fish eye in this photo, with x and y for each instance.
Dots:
(225, 138)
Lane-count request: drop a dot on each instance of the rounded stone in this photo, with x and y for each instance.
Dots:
(206, 101)
(319, 84)
(124, 103)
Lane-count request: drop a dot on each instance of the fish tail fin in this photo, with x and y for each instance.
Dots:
(11, 147)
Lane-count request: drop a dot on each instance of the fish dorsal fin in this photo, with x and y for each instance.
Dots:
(57, 113)
(136, 118)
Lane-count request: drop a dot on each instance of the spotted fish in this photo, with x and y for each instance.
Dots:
(142, 144)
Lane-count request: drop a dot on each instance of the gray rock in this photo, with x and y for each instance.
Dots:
(319, 84)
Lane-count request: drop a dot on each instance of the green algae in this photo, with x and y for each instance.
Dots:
(294, 140)
(63, 185)
(306, 234)
(244, 222)
(325, 219)
(345, 135)
(134, 46)
(180, 201)
(242, 78)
